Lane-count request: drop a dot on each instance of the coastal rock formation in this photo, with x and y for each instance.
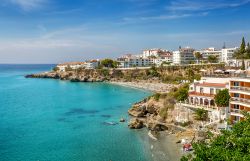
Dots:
(135, 123)
(71, 76)
(137, 111)
(122, 120)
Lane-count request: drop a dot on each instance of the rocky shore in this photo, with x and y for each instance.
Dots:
(94, 76)
(71, 76)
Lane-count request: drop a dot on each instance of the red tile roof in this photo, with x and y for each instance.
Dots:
(205, 84)
(200, 94)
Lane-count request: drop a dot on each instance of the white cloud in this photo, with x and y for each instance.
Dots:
(170, 16)
(197, 5)
(28, 5)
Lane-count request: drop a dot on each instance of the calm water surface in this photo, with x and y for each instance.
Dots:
(52, 120)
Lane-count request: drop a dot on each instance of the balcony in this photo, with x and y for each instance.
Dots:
(240, 101)
(240, 89)
(236, 112)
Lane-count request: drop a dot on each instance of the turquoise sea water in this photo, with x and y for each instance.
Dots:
(52, 120)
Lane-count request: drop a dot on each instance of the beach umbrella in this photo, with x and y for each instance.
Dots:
(203, 70)
(218, 71)
(239, 71)
(231, 70)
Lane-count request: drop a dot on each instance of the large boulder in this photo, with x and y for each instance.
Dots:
(137, 111)
(150, 108)
(135, 124)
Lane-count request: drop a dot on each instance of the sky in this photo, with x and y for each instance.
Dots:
(55, 31)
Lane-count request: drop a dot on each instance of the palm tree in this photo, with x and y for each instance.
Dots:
(198, 56)
(212, 59)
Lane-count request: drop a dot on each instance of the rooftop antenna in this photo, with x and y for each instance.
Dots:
(224, 46)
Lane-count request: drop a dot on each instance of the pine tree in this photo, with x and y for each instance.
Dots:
(247, 55)
(243, 67)
(243, 46)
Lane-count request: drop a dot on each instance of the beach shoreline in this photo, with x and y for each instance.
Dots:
(164, 148)
(155, 87)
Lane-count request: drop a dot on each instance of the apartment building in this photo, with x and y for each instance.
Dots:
(153, 53)
(239, 90)
(183, 56)
(209, 51)
(227, 54)
(92, 64)
(129, 61)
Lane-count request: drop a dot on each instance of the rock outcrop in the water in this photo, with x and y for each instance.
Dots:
(135, 123)
(147, 113)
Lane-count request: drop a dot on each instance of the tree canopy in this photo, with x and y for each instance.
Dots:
(201, 114)
(222, 98)
(109, 63)
(243, 52)
(212, 59)
(198, 56)
(182, 93)
(230, 145)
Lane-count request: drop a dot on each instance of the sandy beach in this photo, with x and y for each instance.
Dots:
(151, 86)
(164, 148)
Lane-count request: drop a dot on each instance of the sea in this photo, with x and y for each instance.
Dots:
(55, 120)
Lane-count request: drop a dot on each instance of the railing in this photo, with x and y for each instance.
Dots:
(207, 107)
(245, 89)
(241, 100)
(235, 110)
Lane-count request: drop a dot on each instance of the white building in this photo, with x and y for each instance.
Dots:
(176, 57)
(183, 56)
(227, 54)
(72, 65)
(129, 61)
(151, 52)
(92, 64)
(209, 51)
(201, 95)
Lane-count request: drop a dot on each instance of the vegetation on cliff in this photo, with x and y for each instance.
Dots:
(230, 145)
(165, 74)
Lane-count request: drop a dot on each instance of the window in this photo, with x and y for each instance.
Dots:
(236, 83)
(236, 106)
(236, 95)
(201, 90)
(217, 91)
(211, 91)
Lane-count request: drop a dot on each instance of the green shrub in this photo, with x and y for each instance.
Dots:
(164, 112)
(157, 96)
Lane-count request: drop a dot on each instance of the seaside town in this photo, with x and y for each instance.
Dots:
(125, 80)
(197, 93)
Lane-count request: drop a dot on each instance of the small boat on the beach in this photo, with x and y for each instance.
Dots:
(151, 135)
